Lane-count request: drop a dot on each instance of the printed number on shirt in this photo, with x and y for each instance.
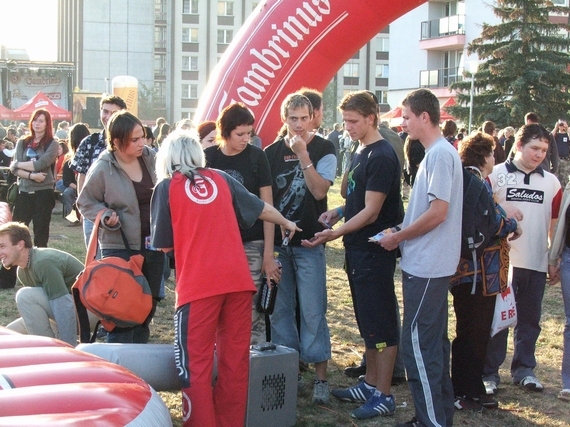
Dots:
(506, 179)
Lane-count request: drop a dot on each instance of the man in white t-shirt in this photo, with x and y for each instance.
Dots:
(430, 241)
(534, 195)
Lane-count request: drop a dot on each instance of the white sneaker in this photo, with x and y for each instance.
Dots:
(531, 383)
(564, 395)
(490, 387)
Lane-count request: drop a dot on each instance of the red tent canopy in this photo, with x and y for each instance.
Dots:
(40, 100)
(444, 115)
(394, 113)
(6, 113)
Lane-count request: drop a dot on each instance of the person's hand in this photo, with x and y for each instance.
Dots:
(318, 239)
(329, 218)
(291, 227)
(553, 274)
(517, 233)
(390, 241)
(513, 212)
(271, 269)
(297, 144)
(38, 176)
(111, 220)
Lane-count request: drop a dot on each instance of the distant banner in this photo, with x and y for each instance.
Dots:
(24, 84)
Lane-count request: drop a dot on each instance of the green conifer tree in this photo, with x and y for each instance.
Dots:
(524, 65)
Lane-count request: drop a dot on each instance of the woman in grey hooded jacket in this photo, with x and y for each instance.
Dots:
(121, 181)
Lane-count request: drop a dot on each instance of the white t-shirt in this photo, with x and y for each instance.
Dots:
(440, 176)
(538, 196)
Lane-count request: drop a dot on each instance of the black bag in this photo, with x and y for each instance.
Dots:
(479, 222)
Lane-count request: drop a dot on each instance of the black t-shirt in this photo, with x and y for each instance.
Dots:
(251, 169)
(563, 145)
(291, 196)
(374, 167)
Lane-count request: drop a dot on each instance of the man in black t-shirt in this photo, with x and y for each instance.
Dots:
(373, 204)
(560, 134)
(303, 167)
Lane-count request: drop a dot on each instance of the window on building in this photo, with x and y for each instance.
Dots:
(190, 91)
(160, 64)
(351, 69)
(190, 63)
(225, 36)
(190, 6)
(160, 9)
(382, 96)
(160, 37)
(382, 71)
(189, 35)
(382, 44)
(226, 8)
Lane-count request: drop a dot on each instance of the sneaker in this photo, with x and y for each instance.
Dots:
(490, 387)
(466, 404)
(564, 395)
(378, 404)
(300, 382)
(412, 423)
(321, 393)
(531, 383)
(355, 371)
(487, 402)
(356, 393)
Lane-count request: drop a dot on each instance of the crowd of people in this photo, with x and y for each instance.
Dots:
(161, 188)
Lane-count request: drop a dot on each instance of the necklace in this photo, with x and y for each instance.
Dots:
(29, 258)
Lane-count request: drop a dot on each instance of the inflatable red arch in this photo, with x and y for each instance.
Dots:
(287, 44)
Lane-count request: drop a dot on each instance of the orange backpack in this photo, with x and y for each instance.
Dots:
(113, 289)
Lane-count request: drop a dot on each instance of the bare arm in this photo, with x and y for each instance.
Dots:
(373, 201)
(435, 215)
(317, 185)
(270, 267)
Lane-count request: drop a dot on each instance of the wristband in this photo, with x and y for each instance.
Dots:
(29, 175)
(397, 228)
(307, 167)
(339, 212)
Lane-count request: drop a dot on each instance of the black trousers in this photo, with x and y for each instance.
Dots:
(474, 314)
(36, 207)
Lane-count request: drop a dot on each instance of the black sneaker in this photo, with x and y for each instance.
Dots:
(412, 423)
(463, 403)
(355, 371)
(487, 402)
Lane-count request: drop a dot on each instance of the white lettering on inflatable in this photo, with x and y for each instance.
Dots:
(262, 81)
(320, 9)
(253, 97)
(291, 32)
(308, 20)
(277, 48)
(263, 58)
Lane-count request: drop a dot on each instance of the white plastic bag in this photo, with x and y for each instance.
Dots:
(505, 315)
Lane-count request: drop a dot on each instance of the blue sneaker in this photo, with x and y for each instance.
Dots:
(378, 404)
(356, 393)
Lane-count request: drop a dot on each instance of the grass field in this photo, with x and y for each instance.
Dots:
(517, 407)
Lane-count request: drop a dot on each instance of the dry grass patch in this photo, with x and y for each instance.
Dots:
(518, 408)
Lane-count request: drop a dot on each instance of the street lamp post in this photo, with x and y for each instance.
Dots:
(473, 67)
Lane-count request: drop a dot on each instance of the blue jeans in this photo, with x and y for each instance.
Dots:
(304, 274)
(565, 276)
(528, 287)
(87, 230)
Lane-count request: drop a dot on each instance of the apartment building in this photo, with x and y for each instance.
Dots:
(428, 46)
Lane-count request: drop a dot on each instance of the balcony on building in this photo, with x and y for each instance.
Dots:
(439, 78)
(443, 33)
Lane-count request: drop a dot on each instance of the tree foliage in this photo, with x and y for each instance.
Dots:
(524, 65)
